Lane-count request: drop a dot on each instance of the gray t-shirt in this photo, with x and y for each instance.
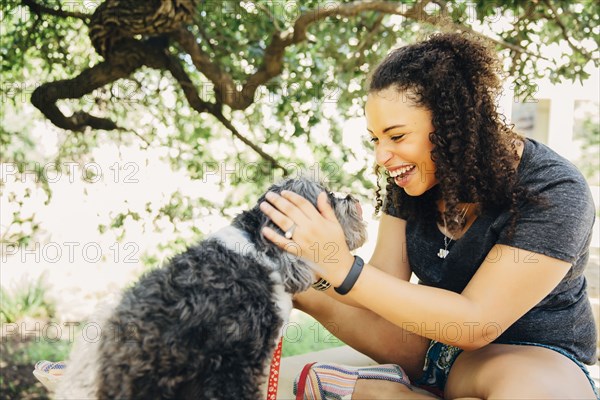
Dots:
(561, 228)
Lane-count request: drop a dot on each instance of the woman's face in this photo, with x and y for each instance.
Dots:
(400, 131)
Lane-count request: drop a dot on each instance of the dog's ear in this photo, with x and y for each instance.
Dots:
(296, 275)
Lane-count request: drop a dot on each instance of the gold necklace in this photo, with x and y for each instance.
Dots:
(443, 253)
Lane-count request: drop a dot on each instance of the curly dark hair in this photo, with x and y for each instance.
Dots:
(457, 78)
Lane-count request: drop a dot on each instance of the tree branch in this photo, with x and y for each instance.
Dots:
(274, 163)
(127, 57)
(189, 90)
(130, 56)
(563, 29)
(42, 9)
(269, 14)
(116, 20)
(272, 64)
(193, 98)
(204, 37)
(224, 86)
(31, 30)
(368, 39)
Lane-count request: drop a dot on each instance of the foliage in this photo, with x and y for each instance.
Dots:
(18, 355)
(26, 300)
(303, 334)
(295, 116)
(37, 350)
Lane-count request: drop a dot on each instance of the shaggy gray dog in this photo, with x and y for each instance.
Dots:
(206, 325)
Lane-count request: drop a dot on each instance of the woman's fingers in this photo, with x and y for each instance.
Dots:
(280, 241)
(281, 220)
(301, 203)
(294, 206)
(285, 206)
(325, 208)
(313, 234)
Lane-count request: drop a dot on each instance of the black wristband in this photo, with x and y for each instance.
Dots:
(352, 277)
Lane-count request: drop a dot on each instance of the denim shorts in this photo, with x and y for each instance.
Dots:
(440, 357)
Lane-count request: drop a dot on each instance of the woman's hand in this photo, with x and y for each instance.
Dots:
(314, 234)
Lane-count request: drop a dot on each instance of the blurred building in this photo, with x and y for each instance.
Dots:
(563, 116)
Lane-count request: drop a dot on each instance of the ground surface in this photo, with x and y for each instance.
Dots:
(18, 382)
(16, 378)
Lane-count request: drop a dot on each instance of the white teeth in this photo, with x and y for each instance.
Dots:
(400, 171)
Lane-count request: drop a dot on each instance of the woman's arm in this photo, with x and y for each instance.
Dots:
(389, 256)
(508, 283)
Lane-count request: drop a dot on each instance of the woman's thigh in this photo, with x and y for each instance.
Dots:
(367, 332)
(502, 371)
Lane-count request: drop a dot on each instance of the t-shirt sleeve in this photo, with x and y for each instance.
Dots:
(560, 225)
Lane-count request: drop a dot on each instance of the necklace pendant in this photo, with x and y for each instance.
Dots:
(442, 253)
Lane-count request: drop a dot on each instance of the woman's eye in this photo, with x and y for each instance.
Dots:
(396, 138)
(373, 139)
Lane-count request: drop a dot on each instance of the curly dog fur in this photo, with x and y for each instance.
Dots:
(204, 326)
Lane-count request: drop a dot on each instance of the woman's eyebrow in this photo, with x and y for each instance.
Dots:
(389, 128)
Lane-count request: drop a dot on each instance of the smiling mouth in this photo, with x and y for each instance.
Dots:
(402, 172)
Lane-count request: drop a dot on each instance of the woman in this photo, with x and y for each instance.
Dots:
(495, 226)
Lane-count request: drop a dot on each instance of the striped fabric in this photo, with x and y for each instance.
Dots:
(336, 382)
(49, 373)
(49, 367)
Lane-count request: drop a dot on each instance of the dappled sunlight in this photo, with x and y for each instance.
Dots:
(121, 147)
